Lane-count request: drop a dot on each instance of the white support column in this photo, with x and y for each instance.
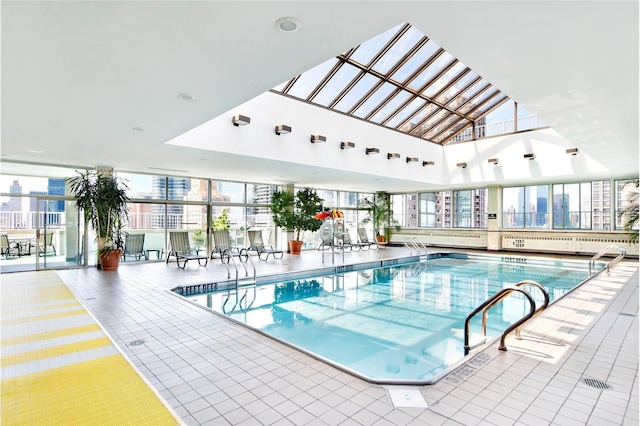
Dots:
(494, 211)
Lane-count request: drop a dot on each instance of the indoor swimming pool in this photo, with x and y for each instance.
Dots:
(396, 324)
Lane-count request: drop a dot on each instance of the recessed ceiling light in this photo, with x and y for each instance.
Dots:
(35, 151)
(186, 96)
(139, 129)
(288, 24)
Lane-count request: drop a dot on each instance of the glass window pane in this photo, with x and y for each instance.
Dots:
(336, 85)
(443, 61)
(585, 205)
(348, 199)
(400, 48)
(390, 107)
(309, 80)
(140, 186)
(357, 92)
(421, 115)
(452, 91)
(500, 120)
(227, 191)
(370, 48)
(376, 99)
(444, 79)
(462, 209)
(330, 198)
(478, 101)
(490, 103)
(463, 97)
(513, 207)
(410, 109)
(415, 62)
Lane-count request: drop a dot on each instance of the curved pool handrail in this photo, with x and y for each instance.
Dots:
(489, 303)
(608, 266)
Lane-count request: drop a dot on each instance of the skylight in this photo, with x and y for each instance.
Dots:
(405, 81)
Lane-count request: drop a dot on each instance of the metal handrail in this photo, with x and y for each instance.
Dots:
(592, 261)
(244, 258)
(540, 308)
(486, 305)
(416, 243)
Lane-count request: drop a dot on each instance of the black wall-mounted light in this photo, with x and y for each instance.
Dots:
(283, 129)
(428, 163)
(240, 120)
(572, 151)
(318, 139)
(372, 151)
(462, 165)
(392, 155)
(529, 156)
(412, 159)
(493, 161)
(347, 145)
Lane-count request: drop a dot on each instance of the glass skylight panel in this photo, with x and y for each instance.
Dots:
(499, 97)
(444, 80)
(456, 88)
(411, 84)
(400, 48)
(370, 48)
(415, 62)
(376, 99)
(443, 61)
(391, 106)
(479, 100)
(357, 92)
(336, 85)
(407, 111)
(309, 80)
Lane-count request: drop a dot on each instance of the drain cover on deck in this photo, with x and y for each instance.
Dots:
(407, 398)
(138, 342)
(595, 383)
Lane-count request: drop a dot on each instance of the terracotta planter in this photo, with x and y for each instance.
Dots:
(295, 246)
(111, 260)
(381, 238)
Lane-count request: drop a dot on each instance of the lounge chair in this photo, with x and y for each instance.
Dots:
(133, 246)
(342, 238)
(45, 244)
(9, 248)
(364, 239)
(257, 244)
(346, 239)
(180, 248)
(222, 242)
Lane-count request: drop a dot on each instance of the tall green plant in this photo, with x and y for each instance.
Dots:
(380, 214)
(221, 222)
(630, 213)
(104, 202)
(296, 212)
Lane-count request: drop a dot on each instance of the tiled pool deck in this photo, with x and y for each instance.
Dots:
(211, 371)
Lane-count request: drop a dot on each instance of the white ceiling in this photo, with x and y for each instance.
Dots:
(77, 77)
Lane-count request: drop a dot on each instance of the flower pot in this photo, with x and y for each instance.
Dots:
(295, 246)
(110, 261)
(381, 238)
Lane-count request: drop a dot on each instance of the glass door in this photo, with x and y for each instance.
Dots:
(59, 236)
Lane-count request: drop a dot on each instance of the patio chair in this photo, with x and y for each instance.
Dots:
(133, 246)
(342, 239)
(45, 244)
(364, 239)
(346, 239)
(257, 244)
(180, 248)
(222, 242)
(9, 248)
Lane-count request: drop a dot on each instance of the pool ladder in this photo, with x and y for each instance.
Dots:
(227, 258)
(592, 262)
(494, 300)
(414, 243)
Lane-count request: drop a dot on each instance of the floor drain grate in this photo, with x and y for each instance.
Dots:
(138, 342)
(595, 383)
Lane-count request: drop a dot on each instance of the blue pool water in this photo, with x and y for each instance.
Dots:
(400, 323)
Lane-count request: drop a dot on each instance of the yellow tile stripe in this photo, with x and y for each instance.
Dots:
(54, 351)
(104, 391)
(45, 335)
(79, 311)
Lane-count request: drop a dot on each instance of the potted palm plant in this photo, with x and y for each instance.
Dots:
(103, 200)
(296, 213)
(380, 215)
(629, 215)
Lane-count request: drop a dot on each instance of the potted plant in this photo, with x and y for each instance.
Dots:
(296, 213)
(103, 200)
(380, 215)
